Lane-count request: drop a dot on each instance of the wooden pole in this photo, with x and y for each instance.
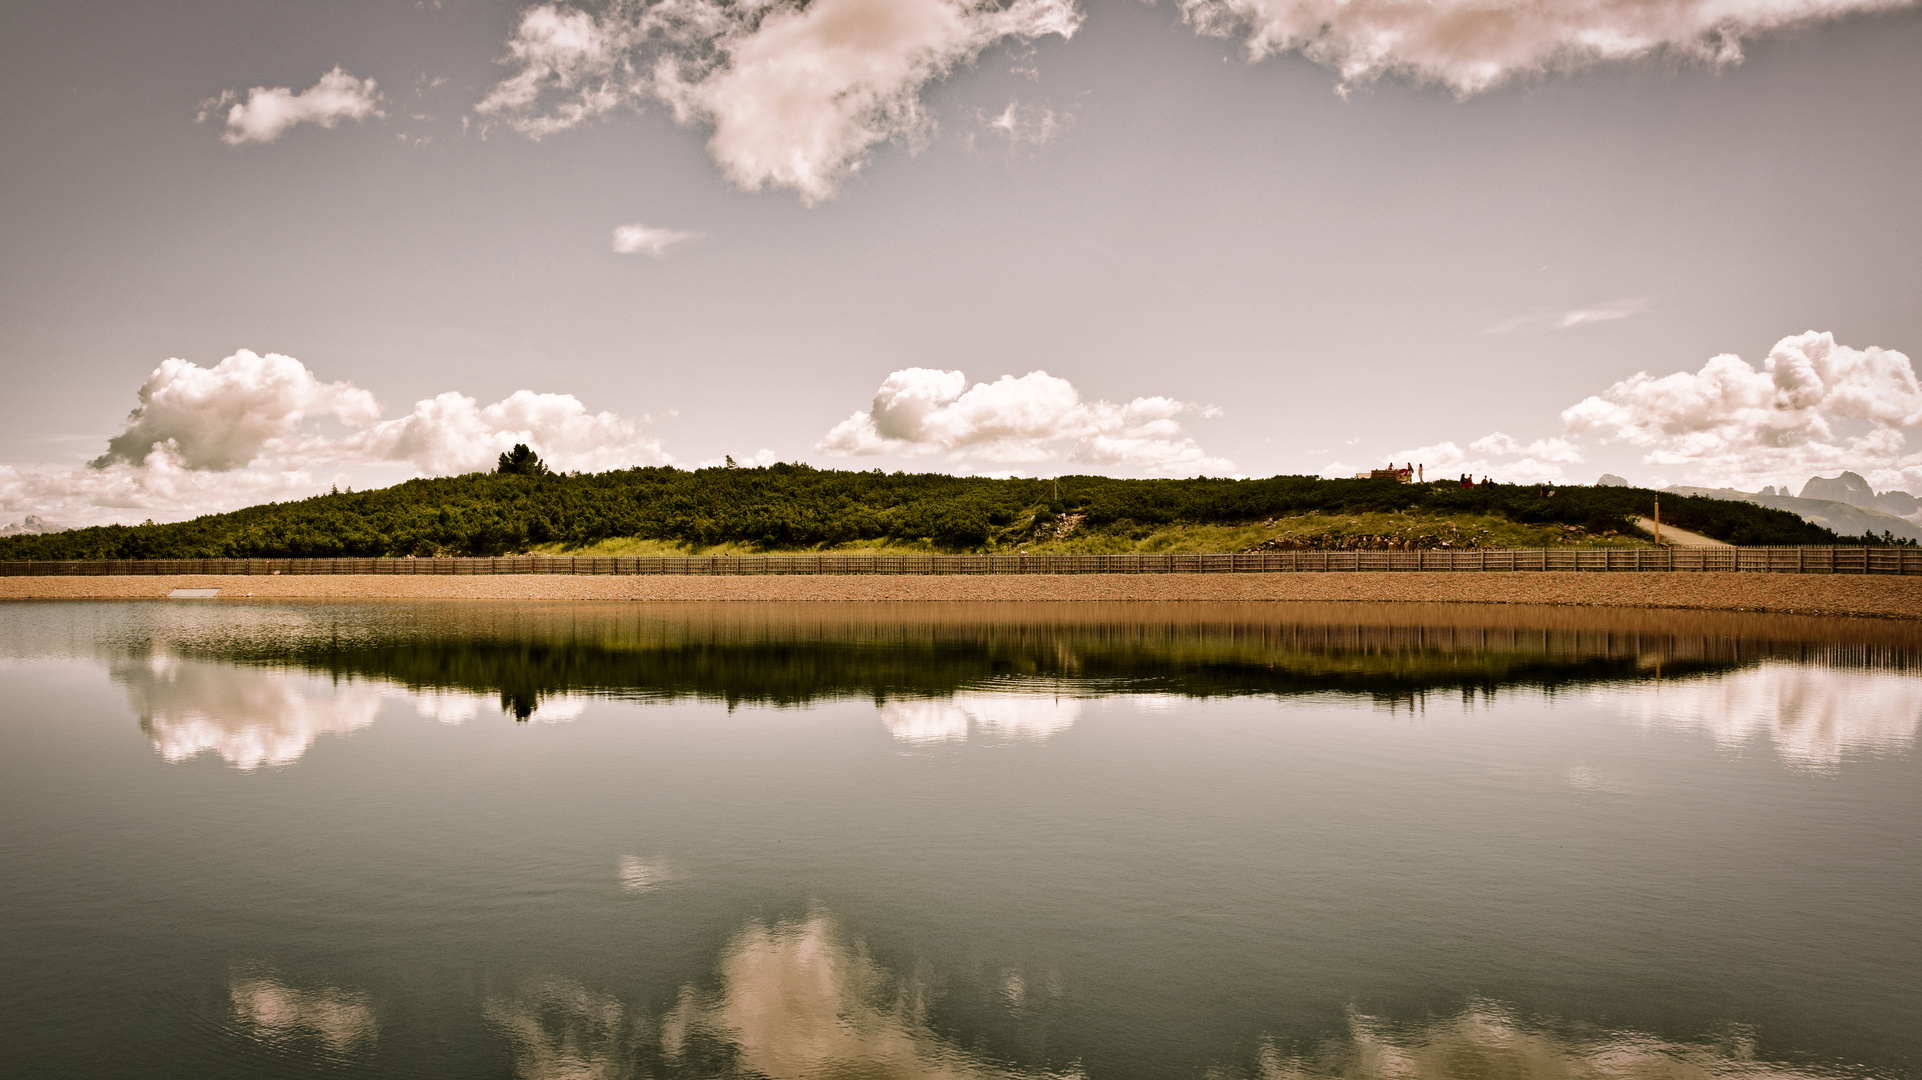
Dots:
(1658, 519)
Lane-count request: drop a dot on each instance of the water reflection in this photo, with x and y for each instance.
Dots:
(338, 1022)
(251, 718)
(560, 1030)
(261, 686)
(638, 875)
(1487, 1040)
(255, 717)
(1032, 717)
(1814, 717)
(798, 1000)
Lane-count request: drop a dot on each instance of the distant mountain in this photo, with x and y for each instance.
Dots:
(1852, 489)
(1838, 516)
(1609, 479)
(32, 525)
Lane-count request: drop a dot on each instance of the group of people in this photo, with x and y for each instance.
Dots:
(1468, 481)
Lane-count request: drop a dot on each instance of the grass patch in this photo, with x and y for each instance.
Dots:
(1039, 533)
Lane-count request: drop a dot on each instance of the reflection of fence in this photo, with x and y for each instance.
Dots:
(1776, 560)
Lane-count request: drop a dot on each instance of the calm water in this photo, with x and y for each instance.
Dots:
(956, 841)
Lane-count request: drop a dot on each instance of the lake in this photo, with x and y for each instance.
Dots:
(1224, 842)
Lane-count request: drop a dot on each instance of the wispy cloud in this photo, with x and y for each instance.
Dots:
(267, 114)
(1546, 319)
(1030, 125)
(638, 239)
(1471, 46)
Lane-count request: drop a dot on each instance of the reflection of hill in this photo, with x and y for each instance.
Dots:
(804, 653)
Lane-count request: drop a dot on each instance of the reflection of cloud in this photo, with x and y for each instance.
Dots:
(1583, 778)
(341, 1021)
(558, 709)
(925, 720)
(646, 875)
(1487, 1040)
(560, 1030)
(797, 1000)
(1814, 716)
(1010, 716)
(250, 717)
(448, 706)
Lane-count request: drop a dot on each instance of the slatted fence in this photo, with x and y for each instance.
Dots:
(1774, 560)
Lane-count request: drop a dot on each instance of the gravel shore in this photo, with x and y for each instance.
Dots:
(1811, 594)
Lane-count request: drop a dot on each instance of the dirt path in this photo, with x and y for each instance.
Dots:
(1681, 537)
(1843, 594)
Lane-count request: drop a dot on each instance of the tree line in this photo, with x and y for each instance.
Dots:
(795, 506)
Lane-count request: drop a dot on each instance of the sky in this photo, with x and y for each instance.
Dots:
(258, 250)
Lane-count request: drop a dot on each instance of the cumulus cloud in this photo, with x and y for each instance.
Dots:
(256, 428)
(454, 433)
(925, 411)
(1473, 45)
(1813, 406)
(222, 417)
(1551, 451)
(266, 114)
(638, 239)
(796, 94)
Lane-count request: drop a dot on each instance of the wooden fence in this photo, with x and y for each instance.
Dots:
(1774, 560)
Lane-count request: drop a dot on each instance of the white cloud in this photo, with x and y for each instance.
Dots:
(638, 239)
(1813, 407)
(1553, 451)
(268, 113)
(1473, 45)
(923, 411)
(453, 433)
(222, 417)
(244, 432)
(580, 57)
(796, 93)
(1538, 462)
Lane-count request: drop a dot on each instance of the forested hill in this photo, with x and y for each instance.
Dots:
(795, 506)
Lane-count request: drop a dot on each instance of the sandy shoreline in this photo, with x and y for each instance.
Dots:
(1880, 596)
